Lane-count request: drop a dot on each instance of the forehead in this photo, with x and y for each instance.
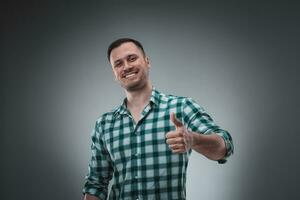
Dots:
(124, 50)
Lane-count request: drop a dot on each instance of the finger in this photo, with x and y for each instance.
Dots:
(177, 140)
(179, 151)
(175, 121)
(177, 146)
(174, 134)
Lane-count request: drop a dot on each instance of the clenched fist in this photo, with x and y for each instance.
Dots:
(180, 140)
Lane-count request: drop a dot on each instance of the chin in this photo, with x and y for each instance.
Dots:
(134, 86)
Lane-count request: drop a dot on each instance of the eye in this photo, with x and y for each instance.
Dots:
(132, 58)
(117, 64)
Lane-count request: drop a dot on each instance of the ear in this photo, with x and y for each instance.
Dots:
(148, 61)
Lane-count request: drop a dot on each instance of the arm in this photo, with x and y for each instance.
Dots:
(198, 131)
(100, 170)
(211, 146)
(181, 140)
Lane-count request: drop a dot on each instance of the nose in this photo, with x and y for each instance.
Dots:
(127, 66)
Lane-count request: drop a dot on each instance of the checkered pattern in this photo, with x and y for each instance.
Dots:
(137, 155)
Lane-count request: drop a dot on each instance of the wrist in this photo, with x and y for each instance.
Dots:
(195, 141)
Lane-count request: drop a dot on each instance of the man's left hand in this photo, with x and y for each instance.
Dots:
(180, 140)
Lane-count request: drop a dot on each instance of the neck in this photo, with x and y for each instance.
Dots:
(138, 99)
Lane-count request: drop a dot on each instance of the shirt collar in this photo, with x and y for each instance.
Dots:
(154, 101)
(155, 96)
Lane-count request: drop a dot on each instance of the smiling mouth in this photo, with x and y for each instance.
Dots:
(129, 75)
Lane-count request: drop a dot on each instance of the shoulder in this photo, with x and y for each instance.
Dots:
(183, 103)
(180, 100)
(108, 116)
(173, 99)
(188, 104)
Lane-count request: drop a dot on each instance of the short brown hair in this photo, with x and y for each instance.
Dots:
(120, 41)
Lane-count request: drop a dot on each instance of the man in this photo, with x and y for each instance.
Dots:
(145, 143)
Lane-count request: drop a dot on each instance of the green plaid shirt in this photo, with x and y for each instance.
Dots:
(137, 155)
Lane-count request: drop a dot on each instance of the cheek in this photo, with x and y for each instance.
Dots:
(116, 73)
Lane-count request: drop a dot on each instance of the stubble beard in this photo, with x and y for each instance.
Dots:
(139, 85)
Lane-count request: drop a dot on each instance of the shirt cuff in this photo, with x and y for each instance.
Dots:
(228, 144)
(102, 195)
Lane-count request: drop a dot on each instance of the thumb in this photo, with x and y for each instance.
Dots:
(175, 121)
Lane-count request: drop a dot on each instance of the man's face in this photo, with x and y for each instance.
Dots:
(130, 66)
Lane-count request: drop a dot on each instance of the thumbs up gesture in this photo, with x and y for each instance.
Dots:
(180, 140)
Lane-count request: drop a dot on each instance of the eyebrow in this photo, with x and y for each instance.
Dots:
(129, 55)
(117, 61)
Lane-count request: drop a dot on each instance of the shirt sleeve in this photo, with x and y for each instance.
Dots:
(100, 170)
(197, 120)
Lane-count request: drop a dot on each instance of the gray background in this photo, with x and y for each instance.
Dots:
(238, 60)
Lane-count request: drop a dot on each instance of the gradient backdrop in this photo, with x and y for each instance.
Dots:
(240, 61)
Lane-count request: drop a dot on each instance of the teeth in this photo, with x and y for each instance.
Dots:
(129, 75)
